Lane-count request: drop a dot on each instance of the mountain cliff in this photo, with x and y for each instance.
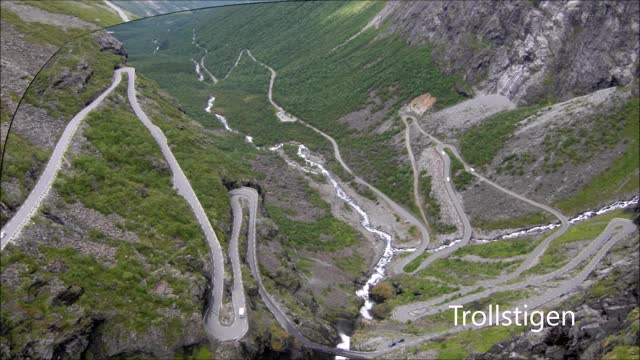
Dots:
(526, 50)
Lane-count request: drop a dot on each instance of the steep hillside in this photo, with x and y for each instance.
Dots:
(320, 174)
(526, 50)
(34, 30)
(580, 154)
(365, 55)
(73, 78)
(299, 40)
(73, 284)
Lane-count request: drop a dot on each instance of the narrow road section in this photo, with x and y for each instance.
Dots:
(12, 228)
(182, 186)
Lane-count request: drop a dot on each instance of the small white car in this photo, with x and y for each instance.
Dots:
(448, 179)
(241, 313)
(2, 234)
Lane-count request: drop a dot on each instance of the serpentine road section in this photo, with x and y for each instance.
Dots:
(532, 259)
(181, 185)
(616, 230)
(455, 200)
(286, 117)
(416, 174)
(251, 196)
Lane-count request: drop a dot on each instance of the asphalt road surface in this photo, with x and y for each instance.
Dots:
(180, 183)
(12, 228)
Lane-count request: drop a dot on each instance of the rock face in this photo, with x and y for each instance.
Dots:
(111, 44)
(526, 50)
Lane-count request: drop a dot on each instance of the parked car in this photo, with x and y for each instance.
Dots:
(392, 344)
(400, 340)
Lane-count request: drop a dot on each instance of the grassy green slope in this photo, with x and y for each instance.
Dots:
(25, 160)
(49, 90)
(480, 144)
(206, 158)
(122, 176)
(314, 83)
(622, 176)
(91, 11)
(47, 34)
(41, 33)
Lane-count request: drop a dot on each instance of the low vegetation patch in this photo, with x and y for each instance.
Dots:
(432, 207)
(41, 33)
(22, 162)
(73, 78)
(324, 234)
(557, 255)
(499, 249)
(622, 175)
(353, 264)
(413, 264)
(413, 288)
(461, 178)
(463, 272)
(85, 10)
(481, 143)
(467, 343)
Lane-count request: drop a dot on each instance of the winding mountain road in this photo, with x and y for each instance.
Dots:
(180, 183)
(285, 117)
(13, 227)
(616, 230)
(183, 187)
(455, 200)
(416, 310)
(533, 257)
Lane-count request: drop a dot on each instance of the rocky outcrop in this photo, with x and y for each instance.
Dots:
(526, 50)
(111, 44)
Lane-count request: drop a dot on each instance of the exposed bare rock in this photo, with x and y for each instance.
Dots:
(451, 121)
(37, 126)
(286, 189)
(371, 116)
(431, 162)
(21, 60)
(483, 203)
(108, 43)
(67, 297)
(526, 50)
